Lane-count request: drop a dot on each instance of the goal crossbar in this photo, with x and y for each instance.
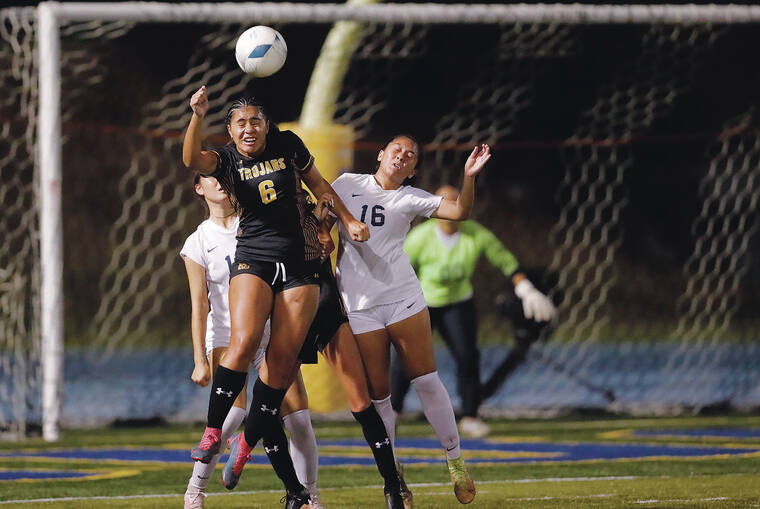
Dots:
(407, 13)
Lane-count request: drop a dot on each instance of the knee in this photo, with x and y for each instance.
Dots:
(281, 367)
(379, 392)
(427, 382)
(242, 348)
(298, 423)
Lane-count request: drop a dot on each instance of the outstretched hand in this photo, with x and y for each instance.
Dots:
(199, 102)
(536, 305)
(325, 202)
(478, 158)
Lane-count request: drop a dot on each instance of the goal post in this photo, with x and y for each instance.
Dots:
(51, 220)
(580, 232)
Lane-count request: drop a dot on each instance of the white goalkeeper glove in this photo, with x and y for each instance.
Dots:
(536, 305)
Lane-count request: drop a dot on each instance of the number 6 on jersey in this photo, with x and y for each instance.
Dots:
(267, 191)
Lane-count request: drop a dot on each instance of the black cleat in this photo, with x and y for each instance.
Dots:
(297, 499)
(393, 498)
(406, 493)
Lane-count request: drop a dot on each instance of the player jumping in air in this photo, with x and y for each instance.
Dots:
(259, 169)
(208, 254)
(382, 294)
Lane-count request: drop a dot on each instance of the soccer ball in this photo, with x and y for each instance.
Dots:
(261, 51)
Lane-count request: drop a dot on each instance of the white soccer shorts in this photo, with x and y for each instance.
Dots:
(379, 317)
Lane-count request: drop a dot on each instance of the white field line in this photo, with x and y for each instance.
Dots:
(525, 499)
(255, 492)
(681, 501)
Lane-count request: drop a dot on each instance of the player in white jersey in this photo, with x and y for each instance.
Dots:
(381, 291)
(208, 254)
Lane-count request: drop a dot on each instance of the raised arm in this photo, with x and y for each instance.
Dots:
(319, 186)
(193, 156)
(459, 209)
(196, 279)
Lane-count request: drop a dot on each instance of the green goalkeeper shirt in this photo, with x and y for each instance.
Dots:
(444, 270)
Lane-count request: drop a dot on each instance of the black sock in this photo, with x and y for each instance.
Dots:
(224, 390)
(264, 413)
(377, 438)
(276, 446)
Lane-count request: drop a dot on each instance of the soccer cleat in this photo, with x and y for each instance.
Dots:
(315, 503)
(240, 451)
(393, 498)
(406, 493)
(296, 500)
(209, 445)
(473, 427)
(464, 488)
(195, 499)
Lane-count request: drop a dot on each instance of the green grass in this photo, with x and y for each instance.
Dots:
(723, 482)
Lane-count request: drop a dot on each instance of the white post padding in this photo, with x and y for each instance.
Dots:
(51, 223)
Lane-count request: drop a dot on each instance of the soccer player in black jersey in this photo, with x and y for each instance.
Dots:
(261, 169)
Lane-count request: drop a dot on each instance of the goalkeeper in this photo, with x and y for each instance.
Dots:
(444, 254)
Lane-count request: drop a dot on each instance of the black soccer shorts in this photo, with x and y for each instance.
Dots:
(279, 276)
(331, 314)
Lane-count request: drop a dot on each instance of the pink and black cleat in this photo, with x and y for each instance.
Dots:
(240, 451)
(209, 445)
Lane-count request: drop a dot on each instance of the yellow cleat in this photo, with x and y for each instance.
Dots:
(464, 488)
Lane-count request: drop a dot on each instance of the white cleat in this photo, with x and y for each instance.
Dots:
(315, 503)
(473, 427)
(195, 499)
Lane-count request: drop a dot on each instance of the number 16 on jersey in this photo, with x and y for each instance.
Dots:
(377, 218)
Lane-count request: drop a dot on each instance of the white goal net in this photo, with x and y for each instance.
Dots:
(627, 165)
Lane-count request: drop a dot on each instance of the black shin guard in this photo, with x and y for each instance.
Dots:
(224, 390)
(276, 446)
(264, 413)
(377, 438)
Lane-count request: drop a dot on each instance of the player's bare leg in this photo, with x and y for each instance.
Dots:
(250, 302)
(293, 311)
(413, 340)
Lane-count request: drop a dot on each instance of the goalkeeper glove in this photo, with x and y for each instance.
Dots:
(536, 305)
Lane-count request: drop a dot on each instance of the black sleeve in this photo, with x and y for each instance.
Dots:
(224, 164)
(301, 156)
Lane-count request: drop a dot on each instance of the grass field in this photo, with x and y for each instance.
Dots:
(525, 463)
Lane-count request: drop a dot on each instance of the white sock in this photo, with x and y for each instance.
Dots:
(203, 471)
(388, 415)
(438, 411)
(303, 447)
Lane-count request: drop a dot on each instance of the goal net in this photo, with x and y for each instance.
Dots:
(626, 165)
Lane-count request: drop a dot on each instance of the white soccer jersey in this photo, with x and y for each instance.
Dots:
(213, 247)
(378, 271)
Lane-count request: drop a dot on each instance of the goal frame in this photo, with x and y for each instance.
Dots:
(50, 16)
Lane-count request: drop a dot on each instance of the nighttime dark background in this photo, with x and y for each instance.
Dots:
(520, 197)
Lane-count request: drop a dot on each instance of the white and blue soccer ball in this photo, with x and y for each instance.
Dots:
(261, 51)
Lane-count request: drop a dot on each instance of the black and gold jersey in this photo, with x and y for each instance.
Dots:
(312, 246)
(265, 188)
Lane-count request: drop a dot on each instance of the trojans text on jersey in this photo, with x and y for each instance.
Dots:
(262, 168)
